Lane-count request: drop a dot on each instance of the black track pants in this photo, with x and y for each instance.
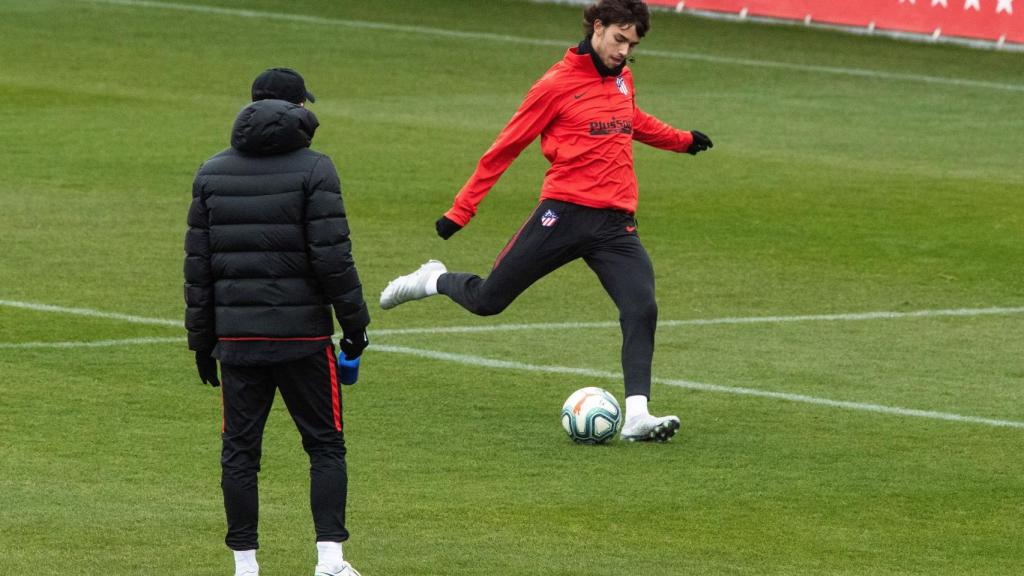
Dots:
(310, 390)
(554, 235)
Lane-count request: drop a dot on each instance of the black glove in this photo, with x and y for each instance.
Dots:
(353, 343)
(701, 142)
(446, 227)
(207, 366)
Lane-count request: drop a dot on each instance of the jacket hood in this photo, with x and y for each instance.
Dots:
(268, 127)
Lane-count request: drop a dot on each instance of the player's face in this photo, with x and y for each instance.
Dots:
(614, 43)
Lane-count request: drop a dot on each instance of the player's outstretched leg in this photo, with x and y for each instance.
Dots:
(413, 286)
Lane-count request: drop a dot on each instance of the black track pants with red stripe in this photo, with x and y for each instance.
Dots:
(554, 235)
(310, 390)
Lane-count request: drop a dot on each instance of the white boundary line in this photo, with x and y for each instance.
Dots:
(92, 313)
(91, 343)
(859, 316)
(849, 317)
(509, 365)
(585, 372)
(490, 37)
(689, 385)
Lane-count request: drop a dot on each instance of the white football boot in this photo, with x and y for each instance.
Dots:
(343, 569)
(411, 286)
(647, 428)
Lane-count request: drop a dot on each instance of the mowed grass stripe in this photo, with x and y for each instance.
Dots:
(491, 37)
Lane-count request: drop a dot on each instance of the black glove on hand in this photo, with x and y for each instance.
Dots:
(353, 344)
(701, 142)
(446, 227)
(207, 366)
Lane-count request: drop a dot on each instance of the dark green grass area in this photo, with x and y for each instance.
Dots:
(826, 193)
(110, 457)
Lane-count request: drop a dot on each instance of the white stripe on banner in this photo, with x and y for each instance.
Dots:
(860, 406)
(491, 37)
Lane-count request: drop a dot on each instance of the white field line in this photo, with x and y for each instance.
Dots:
(491, 37)
(961, 312)
(604, 375)
(91, 343)
(585, 372)
(509, 365)
(849, 317)
(92, 313)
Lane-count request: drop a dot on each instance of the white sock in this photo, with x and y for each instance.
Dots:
(329, 554)
(245, 561)
(432, 282)
(636, 405)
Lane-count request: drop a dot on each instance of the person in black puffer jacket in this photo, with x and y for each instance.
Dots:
(268, 257)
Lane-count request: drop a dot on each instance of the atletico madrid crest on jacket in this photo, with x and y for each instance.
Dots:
(549, 219)
(621, 83)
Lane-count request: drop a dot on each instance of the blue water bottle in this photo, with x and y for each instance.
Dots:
(348, 370)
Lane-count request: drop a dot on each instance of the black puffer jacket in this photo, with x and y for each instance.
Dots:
(267, 249)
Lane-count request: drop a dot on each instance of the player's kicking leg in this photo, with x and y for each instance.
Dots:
(540, 246)
(413, 286)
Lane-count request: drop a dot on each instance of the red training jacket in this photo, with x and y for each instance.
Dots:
(587, 124)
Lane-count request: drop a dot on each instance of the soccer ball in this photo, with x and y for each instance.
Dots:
(591, 416)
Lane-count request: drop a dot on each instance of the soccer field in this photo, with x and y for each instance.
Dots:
(839, 285)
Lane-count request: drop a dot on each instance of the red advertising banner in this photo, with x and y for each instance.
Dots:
(995, 20)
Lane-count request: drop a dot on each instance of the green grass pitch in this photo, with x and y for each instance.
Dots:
(850, 175)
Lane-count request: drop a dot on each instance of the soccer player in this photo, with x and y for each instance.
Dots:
(584, 109)
(268, 256)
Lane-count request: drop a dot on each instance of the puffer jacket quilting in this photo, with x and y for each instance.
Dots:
(267, 249)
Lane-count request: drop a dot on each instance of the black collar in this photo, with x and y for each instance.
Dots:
(586, 48)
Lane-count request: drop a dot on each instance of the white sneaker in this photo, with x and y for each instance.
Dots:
(343, 569)
(411, 286)
(650, 428)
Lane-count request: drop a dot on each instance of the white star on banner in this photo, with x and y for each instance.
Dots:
(937, 2)
(976, 4)
(1005, 5)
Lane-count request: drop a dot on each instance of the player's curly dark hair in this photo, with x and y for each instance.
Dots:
(618, 12)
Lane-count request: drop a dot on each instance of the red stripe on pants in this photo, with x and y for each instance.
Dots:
(512, 242)
(335, 400)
